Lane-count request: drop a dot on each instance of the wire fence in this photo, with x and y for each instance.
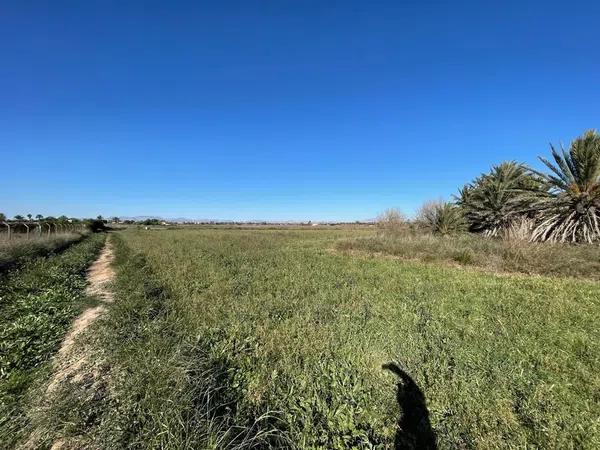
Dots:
(14, 230)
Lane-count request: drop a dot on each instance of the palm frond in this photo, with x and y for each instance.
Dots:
(568, 209)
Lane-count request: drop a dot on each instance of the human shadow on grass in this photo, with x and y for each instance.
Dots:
(414, 427)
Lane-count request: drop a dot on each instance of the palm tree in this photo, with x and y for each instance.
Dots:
(441, 217)
(495, 199)
(568, 206)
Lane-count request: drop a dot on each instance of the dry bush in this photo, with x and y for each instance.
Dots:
(519, 229)
(392, 222)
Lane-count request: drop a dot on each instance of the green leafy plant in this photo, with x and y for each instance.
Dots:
(567, 207)
(442, 218)
(494, 199)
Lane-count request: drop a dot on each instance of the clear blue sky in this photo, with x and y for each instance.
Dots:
(281, 109)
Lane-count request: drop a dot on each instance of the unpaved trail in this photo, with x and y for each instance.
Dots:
(70, 358)
(73, 364)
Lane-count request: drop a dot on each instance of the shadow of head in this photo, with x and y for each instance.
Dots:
(414, 428)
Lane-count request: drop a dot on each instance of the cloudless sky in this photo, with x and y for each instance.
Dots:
(281, 110)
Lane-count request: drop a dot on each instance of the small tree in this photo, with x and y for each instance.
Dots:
(19, 217)
(29, 216)
(39, 217)
(2, 217)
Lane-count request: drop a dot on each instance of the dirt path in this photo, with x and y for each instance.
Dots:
(70, 359)
(72, 364)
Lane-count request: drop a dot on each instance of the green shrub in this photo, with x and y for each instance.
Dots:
(493, 200)
(96, 226)
(442, 218)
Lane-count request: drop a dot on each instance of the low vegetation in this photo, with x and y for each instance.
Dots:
(477, 252)
(254, 339)
(19, 251)
(37, 304)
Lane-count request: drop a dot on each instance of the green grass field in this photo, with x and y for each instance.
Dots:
(233, 338)
(250, 338)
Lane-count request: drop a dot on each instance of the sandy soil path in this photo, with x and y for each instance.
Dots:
(71, 358)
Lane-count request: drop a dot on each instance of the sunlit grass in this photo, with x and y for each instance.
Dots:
(221, 337)
(471, 250)
(17, 250)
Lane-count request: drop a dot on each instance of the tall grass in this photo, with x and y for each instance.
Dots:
(19, 250)
(239, 339)
(511, 254)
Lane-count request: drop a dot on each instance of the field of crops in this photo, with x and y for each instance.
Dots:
(249, 338)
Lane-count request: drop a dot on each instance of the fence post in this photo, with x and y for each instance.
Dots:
(8, 226)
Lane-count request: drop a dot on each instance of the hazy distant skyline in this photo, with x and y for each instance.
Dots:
(281, 110)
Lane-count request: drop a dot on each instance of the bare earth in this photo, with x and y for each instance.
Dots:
(70, 358)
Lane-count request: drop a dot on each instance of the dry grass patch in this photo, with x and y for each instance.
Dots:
(509, 255)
